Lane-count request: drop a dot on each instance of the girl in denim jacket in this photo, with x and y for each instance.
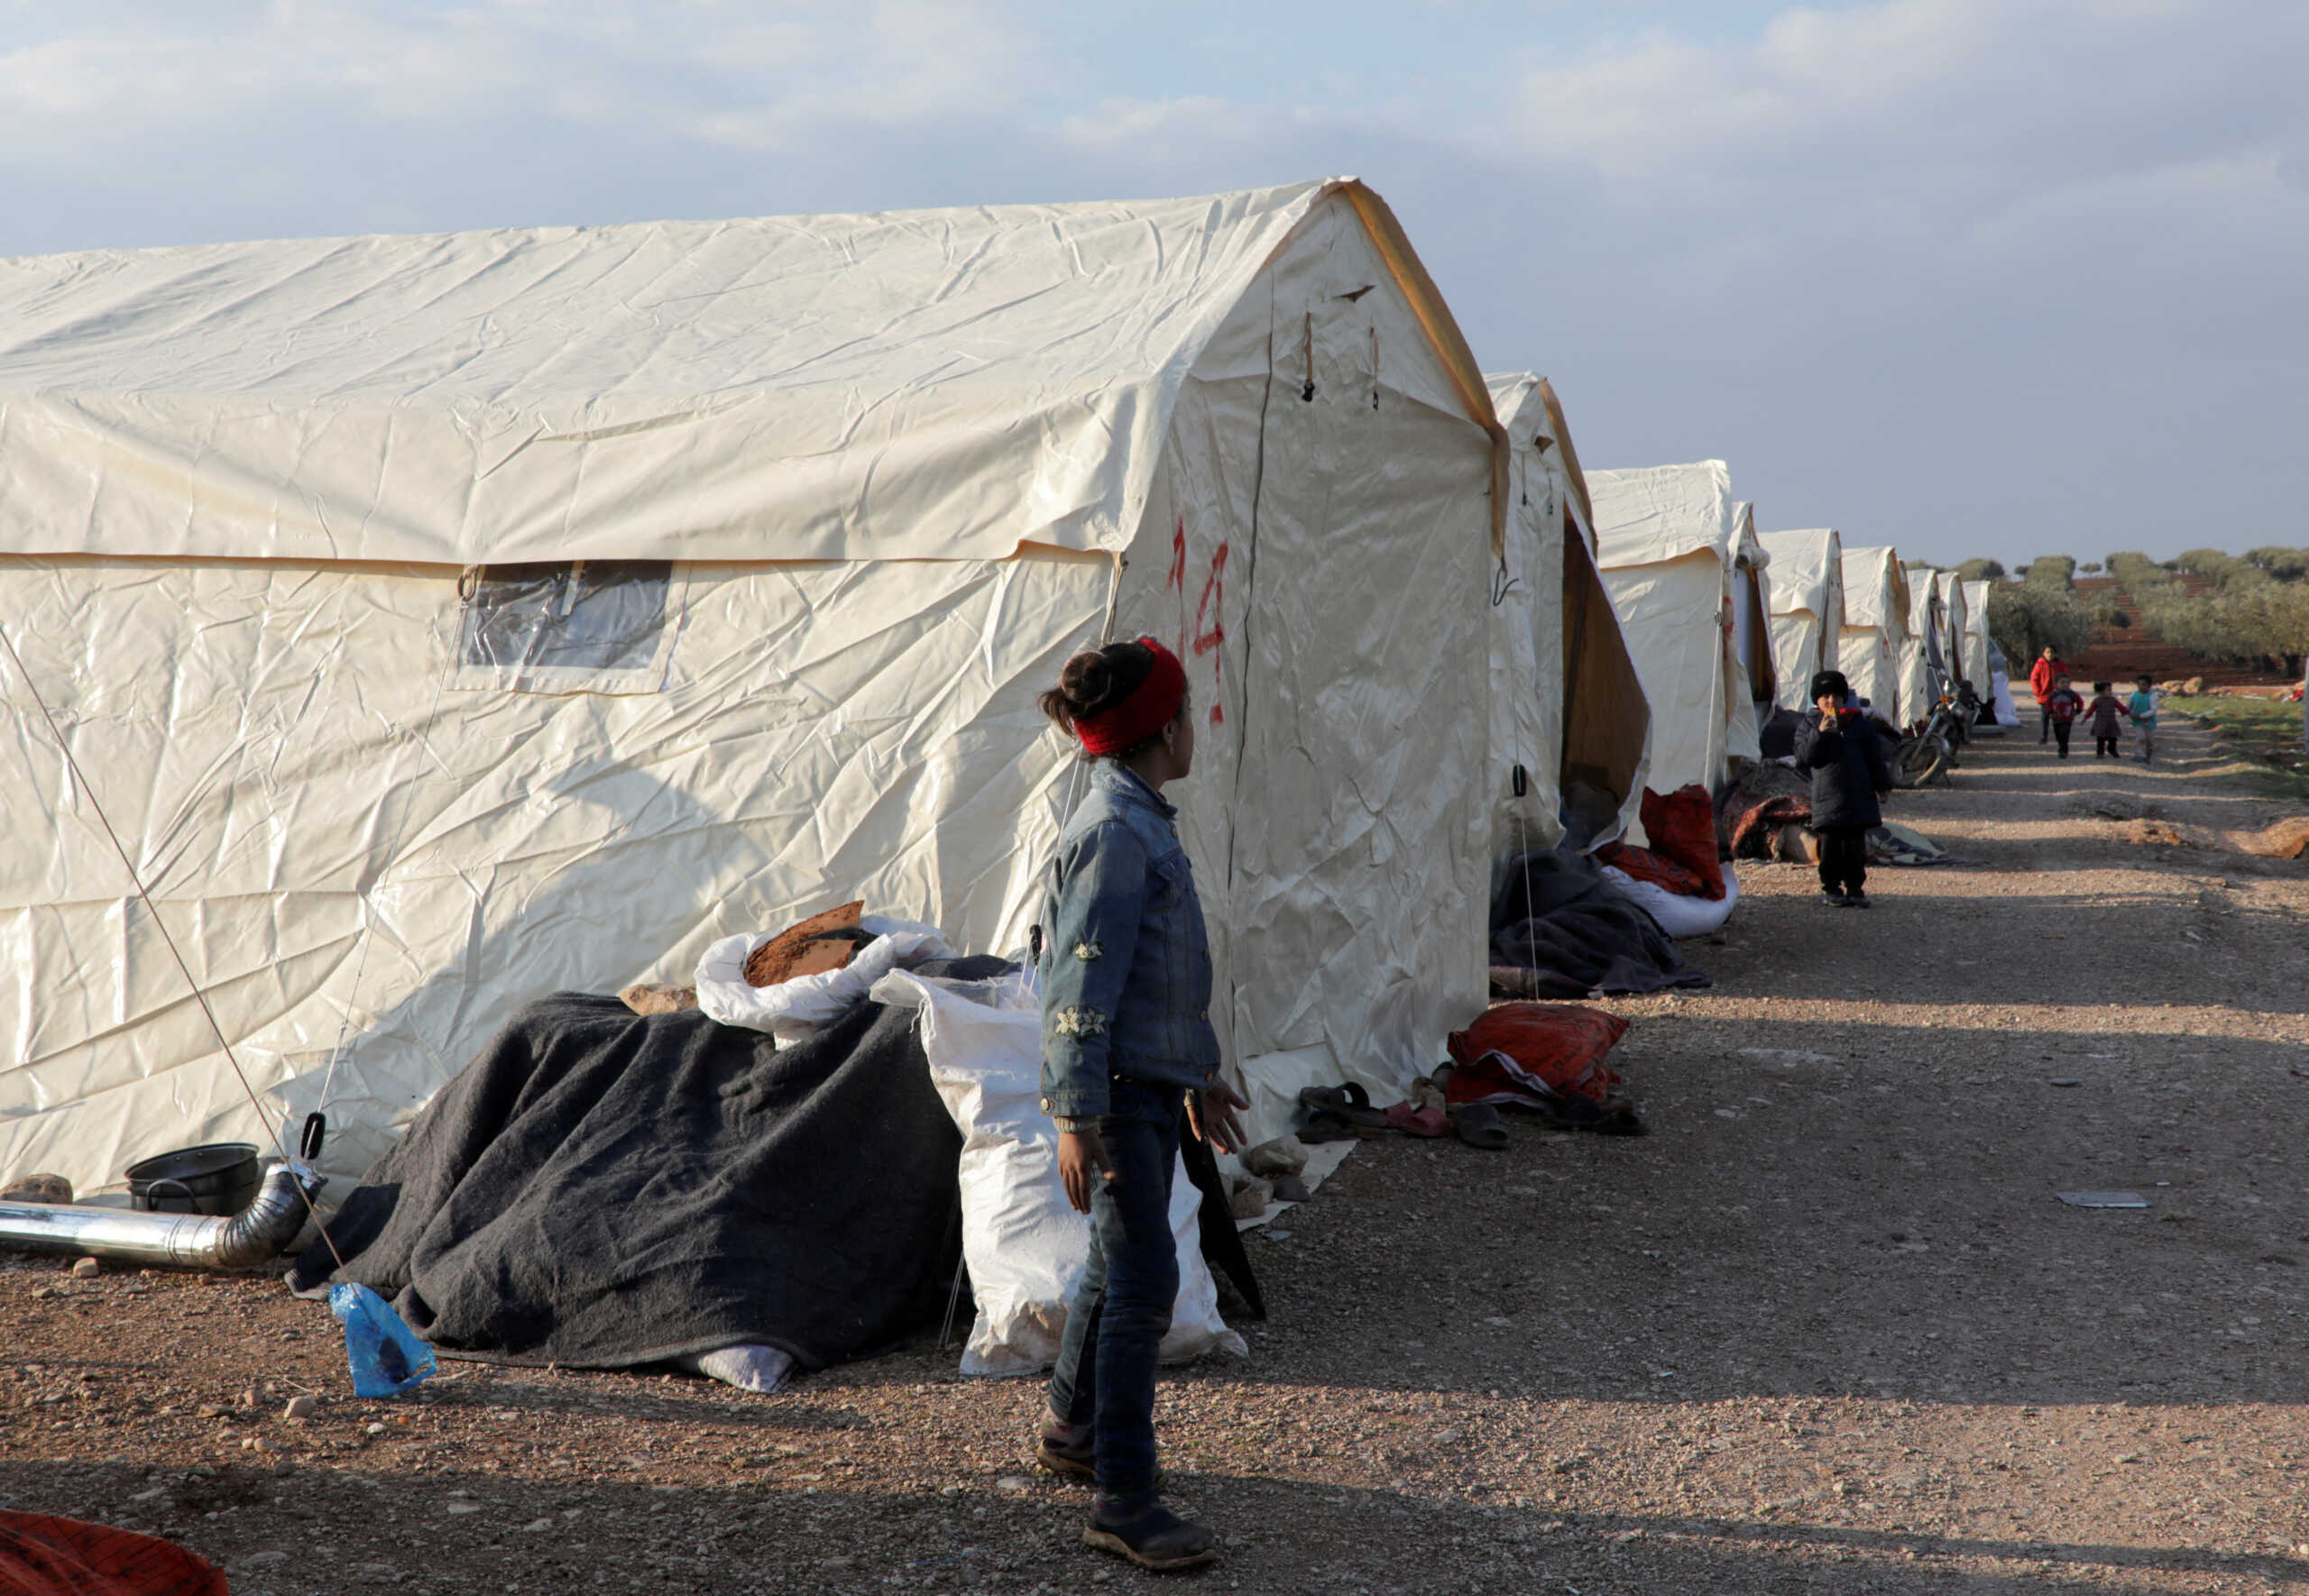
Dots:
(1126, 1046)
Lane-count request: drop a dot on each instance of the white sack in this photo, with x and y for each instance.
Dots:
(792, 1010)
(1678, 915)
(1024, 1243)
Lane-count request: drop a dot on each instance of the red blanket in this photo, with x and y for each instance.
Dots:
(1682, 856)
(1523, 1052)
(41, 1556)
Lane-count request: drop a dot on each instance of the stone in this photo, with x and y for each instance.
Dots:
(645, 998)
(88, 1269)
(37, 1189)
(540, 1526)
(301, 1407)
(374, 1429)
(258, 1562)
(460, 1509)
(1285, 1155)
(1289, 1188)
(1250, 1197)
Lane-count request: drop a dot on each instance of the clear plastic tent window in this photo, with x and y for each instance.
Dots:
(589, 625)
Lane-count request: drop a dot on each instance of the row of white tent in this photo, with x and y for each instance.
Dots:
(441, 621)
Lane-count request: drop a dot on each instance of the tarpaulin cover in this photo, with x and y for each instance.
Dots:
(44, 1556)
(1563, 1045)
(601, 1189)
(1566, 703)
(1807, 609)
(826, 502)
(1875, 626)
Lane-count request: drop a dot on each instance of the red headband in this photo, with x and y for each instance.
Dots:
(1151, 706)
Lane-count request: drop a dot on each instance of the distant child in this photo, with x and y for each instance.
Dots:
(2142, 708)
(1849, 776)
(2102, 711)
(2062, 706)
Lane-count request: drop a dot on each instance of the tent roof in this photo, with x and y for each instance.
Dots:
(1803, 567)
(923, 384)
(1875, 589)
(1527, 406)
(1662, 512)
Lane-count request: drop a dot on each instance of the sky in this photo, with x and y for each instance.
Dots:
(1970, 276)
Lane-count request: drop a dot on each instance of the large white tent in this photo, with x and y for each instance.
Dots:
(1752, 659)
(1956, 623)
(1807, 609)
(1566, 704)
(1924, 660)
(1875, 627)
(1668, 543)
(1975, 652)
(445, 621)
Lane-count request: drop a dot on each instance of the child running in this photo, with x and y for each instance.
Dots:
(2142, 708)
(1126, 1044)
(2103, 712)
(2061, 711)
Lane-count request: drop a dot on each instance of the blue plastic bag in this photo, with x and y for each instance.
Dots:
(387, 1359)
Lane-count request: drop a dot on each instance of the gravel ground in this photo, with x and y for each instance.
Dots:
(1827, 1328)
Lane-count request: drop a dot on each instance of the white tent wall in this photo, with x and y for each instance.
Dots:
(344, 846)
(354, 833)
(1807, 609)
(1349, 902)
(1665, 545)
(1975, 652)
(1875, 629)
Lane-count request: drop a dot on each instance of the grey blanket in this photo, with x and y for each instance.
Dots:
(601, 1189)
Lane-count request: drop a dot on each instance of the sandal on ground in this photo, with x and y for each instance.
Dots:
(1479, 1125)
(1349, 1105)
(1156, 1540)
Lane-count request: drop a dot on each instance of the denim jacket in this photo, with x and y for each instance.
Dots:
(1126, 965)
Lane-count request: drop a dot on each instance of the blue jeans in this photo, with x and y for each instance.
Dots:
(1122, 1306)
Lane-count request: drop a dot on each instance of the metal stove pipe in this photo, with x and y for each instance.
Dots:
(255, 1235)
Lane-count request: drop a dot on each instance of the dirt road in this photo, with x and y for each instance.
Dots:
(1827, 1328)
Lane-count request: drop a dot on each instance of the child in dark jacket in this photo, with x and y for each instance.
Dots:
(2063, 707)
(1849, 776)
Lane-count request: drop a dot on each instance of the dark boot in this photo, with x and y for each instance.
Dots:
(1154, 1538)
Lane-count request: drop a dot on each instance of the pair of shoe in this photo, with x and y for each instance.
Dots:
(1841, 900)
(1153, 1538)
